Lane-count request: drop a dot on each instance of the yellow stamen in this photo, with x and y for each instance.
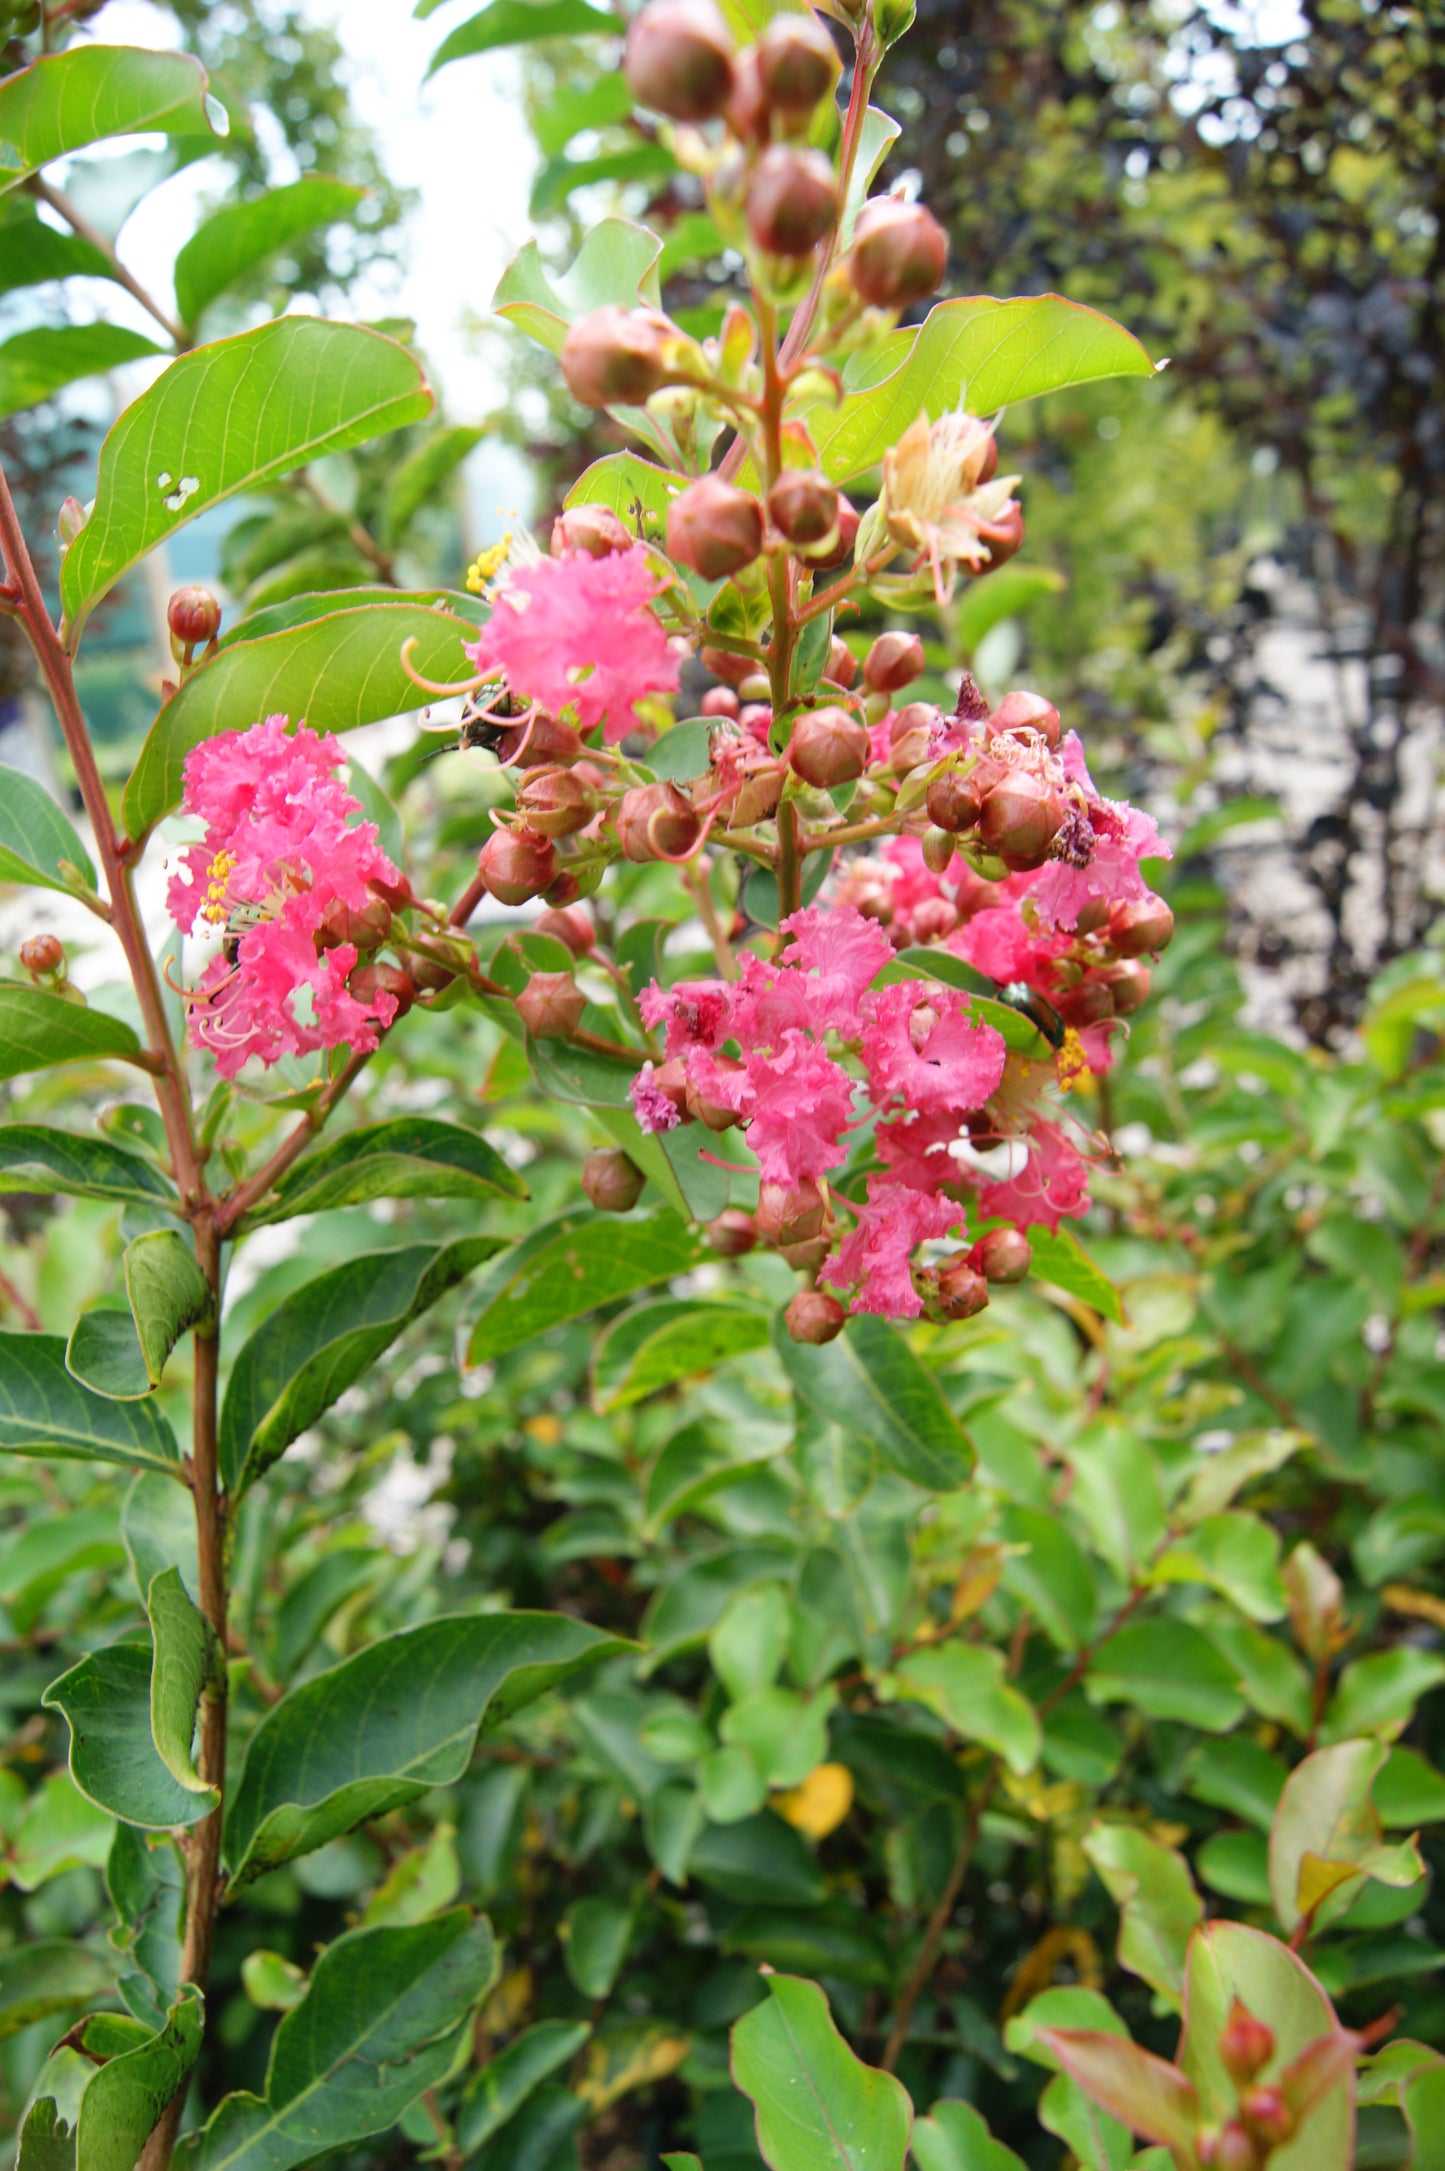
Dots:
(1071, 1063)
(216, 909)
(486, 566)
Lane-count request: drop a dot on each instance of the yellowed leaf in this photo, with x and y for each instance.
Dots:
(820, 1804)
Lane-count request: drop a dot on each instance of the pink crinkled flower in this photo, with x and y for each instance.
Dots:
(798, 1104)
(769, 1001)
(652, 1107)
(696, 1013)
(999, 944)
(842, 952)
(1115, 838)
(875, 1257)
(576, 634)
(956, 1063)
(1052, 1186)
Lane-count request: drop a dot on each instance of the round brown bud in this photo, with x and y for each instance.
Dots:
(679, 59)
(789, 1213)
(1128, 983)
(1004, 536)
(759, 786)
(367, 925)
(1018, 714)
(42, 956)
(615, 356)
(1267, 2115)
(1137, 930)
(612, 1180)
(655, 821)
(516, 865)
(894, 661)
(732, 1234)
(1246, 2045)
(551, 1006)
(746, 111)
(1087, 1004)
(369, 981)
(953, 802)
(592, 529)
(757, 689)
(572, 928)
(911, 734)
(555, 802)
(899, 253)
(194, 616)
(935, 917)
(828, 747)
(532, 745)
(960, 1291)
(798, 64)
(1003, 1255)
(715, 1115)
(720, 701)
(849, 522)
(842, 667)
(803, 507)
(714, 528)
(938, 848)
(791, 200)
(564, 891)
(1020, 817)
(725, 665)
(1234, 2150)
(805, 1258)
(814, 1317)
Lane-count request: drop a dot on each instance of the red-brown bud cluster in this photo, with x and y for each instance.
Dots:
(616, 356)
(814, 1317)
(804, 507)
(43, 957)
(714, 528)
(828, 747)
(595, 529)
(732, 1235)
(551, 1006)
(679, 59)
(791, 200)
(894, 661)
(194, 617)
(611, 1180)
(655, 821)
(899, 253)
(516, 865)
(555, 802)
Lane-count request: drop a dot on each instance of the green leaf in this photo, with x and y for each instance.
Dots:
(321, 1338)
(378, 2026)
(1327, 1837)
(1227, 1960)
(123, 2103)
(761, 1862)
(503, 2086)
(1117, 1497)
(1378, 1694)
(32, 253)
(560, 178)
(1240, 1775)
(43, 1411)
(238, 237)
(37, 842)
(1219, 1477)
(870, 1382)
(626, 483)
(1409, 1791)
(38, 363)
(978, 353)
(655, 1345)
(114, 1761)
(1006, 593)
(521, 22)
(333, 672)
(229, 417)
(38, 1029)
(1170, 1670)
(965, 1684)
(1158, 1906)
(45, 1980)
(124, 1354)
(617, 262)
(412, 1157)
(818, 2107)
(423, 476)
(67, 100)
(387, 1724)
(35, 1158)
(1052, 1575)
(569, 1266)
(595, 1934)
(59, 1830)
(1146, 2095)
(186, 1659)
(1236, 1865)
(954, 2137)
(1060, 1258)
(1237, 1555)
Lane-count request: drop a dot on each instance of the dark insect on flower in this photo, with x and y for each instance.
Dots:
(240, 920)
(482, 729)
(1033, 1006)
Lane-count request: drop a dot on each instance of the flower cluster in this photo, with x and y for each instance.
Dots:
(296, 888)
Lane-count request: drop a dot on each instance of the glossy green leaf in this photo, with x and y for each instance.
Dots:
(1050, 1574)
(39, 1029)
(655, 1345)
(114, 1761)
(67, 100)
(47, 1979)
(238, 237)
(378, 2026)
(1060, 1258)
(412, 1157)
(1236, 1865)
(569, 1266)
(333, 672)
(1228, 1960)
(978, 353)
(186, 1660)
(229, 417)
(1116, 1495)
(1007, 593)
(1408, 1791)
(954, 2137)
(627, 485)
(1377, 1694)
(595, 1934)
(617, 262)
(388, 1723)
(1238, 1555)
(1327, 1837)
(32, 252)
(37, 841)
(36, 364)
(966, 1685)
(124, 1353)
(1214, 1483)
(33, 1157)
(124, 2100)
(321, 1338)
(1169, 1670)
(41, 1555)
(520, 22)
(819, 2108)
(503, 2085)
(1144, 2093)
(1238, 1774)
(1158, 1906)
(870, 1382)
(43, 1411)
(422, 477)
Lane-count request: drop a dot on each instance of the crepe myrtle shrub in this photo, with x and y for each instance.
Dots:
(821, 1001)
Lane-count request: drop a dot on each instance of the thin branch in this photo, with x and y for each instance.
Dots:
(80, 225)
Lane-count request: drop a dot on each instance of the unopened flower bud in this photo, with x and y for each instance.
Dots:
(1246, 2045)
(732, 1234)
(798, 64)
(369, 981)
(759, 790)
(593, 529)
(805, 1258)
(1128, 984)
(842, 665)
(367, 925)
(1004, 1255)
(953, 802)
(746, 111)
(714, 528)
(725, 665)
(516, 865)
(1267, 2115)
(615, 356)
(1004, 536)
(555, 802)
(70, 521)
(935, 917)
(679, 59)
(828, 747)
(894, 661)
(1020, 817)
(899, 253)
(533, 744)
(612, 1180)
(1234, 2150)
(826, 557)
(911, 734)
(938, 850)
(1137, 930)
(564, 891)
(791, 200)
(803, 506)
(959, 1291)
(789, 1213)
(655, 821)
(714, 1114)
(43, 956)
(720, 701)
(1020, 713)
(755, 688)
(194, 616)
(551, 1006)
(572, 928)
(813, 1316)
